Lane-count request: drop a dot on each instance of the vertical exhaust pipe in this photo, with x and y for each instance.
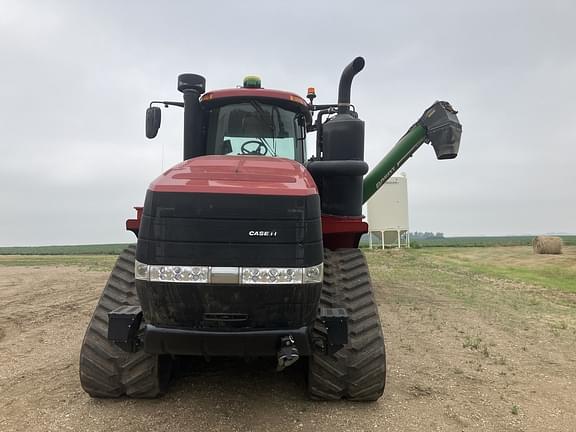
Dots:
(345, 86)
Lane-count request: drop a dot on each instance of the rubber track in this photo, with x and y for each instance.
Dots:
(358, 370)
(105, 370)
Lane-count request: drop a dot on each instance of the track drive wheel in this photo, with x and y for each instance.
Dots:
(358, 370)
(106, 371)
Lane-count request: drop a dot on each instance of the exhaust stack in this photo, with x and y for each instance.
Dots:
(345, 85)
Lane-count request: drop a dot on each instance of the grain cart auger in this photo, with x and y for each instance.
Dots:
(248, 249)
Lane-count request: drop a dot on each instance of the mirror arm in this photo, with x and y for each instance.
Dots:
(168, 103)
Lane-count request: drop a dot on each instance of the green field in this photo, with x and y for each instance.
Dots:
(476, 255)
(86, 262)
(485, 241)
(481, 241)
(115, 249)
(103, 249)
(521, 277)
(517, 264)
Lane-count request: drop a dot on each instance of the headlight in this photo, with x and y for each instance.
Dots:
(167, 273)
(141, 271)
(247, 275)
(273, 275)
(314, 274)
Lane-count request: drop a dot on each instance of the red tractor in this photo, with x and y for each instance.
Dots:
(248, 248)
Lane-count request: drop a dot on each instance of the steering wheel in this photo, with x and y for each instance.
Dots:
(260, 150)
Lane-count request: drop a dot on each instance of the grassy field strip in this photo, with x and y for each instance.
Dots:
(568, 240)
(519, 264)
(88, 262)
(104, 249)
(115, 249)
(489, 279)
(510, 285)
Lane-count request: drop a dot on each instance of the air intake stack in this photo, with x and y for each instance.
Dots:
(192, 86)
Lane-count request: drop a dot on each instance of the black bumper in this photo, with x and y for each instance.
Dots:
(161, 340)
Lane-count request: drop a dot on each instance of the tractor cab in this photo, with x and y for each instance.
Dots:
(247, 120)
(254, 121)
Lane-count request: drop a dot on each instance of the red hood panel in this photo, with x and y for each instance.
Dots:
(249, 175)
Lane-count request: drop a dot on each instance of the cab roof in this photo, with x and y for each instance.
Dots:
(286, 99)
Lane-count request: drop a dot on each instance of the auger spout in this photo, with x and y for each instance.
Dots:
(438, 125)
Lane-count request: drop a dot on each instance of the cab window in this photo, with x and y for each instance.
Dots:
(256, 128)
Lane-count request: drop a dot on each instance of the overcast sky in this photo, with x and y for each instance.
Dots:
(76, 77)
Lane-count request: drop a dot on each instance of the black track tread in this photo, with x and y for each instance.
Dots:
(105, 370)
(357, 371)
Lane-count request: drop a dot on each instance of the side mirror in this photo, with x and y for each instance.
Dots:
(153, 117)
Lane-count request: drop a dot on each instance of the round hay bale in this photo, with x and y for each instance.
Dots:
(547, 245)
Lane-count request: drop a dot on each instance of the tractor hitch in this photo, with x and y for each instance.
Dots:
(123, 325)
(288, 353)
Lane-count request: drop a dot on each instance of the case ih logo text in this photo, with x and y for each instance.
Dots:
(262, 233)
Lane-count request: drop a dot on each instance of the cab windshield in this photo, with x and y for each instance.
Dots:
(256, 128)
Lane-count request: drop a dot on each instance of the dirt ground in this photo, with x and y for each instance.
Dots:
(466, 351)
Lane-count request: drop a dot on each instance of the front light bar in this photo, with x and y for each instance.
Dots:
(229, 275)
